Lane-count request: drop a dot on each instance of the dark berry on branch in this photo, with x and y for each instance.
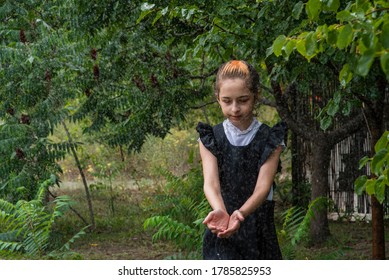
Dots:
(139, 83)
(93, 54)
(19, 153)
(25, 119)
(168, 56)
(22, 36)
(48, 76)
(11, 111)
(154, 80)
(88, 92)
(96, 71)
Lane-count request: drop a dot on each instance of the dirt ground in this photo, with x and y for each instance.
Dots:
(136, 248)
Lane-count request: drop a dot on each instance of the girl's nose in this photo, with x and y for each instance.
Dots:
(235, 107)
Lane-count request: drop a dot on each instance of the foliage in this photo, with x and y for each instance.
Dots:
(182, 208)
(58, 64)
(38, 66)
(295, 227)
(27, 227)
(361, 30)
(379, 167)
(285, 196)
(168, 153)
(350, 38)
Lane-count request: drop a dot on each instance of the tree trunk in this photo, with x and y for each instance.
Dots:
(375, 114)
(321, 154)
(300, 196)
(377, 210)
(87, 193)
(378, 230)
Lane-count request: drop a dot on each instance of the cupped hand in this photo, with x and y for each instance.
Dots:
(233, 225)
(217, 221)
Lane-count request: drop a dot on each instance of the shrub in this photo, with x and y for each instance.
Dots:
(26, 227)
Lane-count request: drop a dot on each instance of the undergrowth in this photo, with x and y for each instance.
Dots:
(26, 228)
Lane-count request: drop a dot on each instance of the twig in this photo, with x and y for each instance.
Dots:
(71, 208)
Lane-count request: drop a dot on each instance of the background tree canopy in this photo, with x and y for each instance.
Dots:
(127, 70)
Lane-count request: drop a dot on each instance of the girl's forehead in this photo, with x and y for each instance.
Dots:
(233, 84)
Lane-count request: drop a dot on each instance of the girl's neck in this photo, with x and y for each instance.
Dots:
(243, 126)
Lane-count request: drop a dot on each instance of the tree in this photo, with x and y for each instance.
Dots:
(37, 74)
(358, 39)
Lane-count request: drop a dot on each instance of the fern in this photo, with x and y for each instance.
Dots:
(182, 208)
(26, 226)
(296, 223)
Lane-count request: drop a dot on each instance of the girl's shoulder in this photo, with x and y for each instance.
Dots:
(205, 129)
(276, 136)
(207, 135)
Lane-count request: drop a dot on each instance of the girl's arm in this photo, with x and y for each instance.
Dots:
(217, 220)
(211, 179)
(264, 182)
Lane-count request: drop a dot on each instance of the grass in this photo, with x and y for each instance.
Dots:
(348, 241)
(119, 232)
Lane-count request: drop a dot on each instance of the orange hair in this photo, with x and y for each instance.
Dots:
(235, 66)
(238, 69)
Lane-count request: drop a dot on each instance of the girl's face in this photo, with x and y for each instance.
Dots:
(237, 102)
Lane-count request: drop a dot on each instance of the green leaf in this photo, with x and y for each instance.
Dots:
(384, 61)
(157, 17)
(143, 15)
(359, 184)
(313, 9)
(331, 5)
(383, 142)
(365, 62)
(269, 51)
(383, 3)
(345, 36)
(300, 46)
(344, 16)
(370, 186)
(332, 35)
(347, 108)
(289, 47)
(297, 9)
(278, 44)
(146, 6)
(310, 43)
(380, 187)
(325, 122)
(379, 161)
(333, 108)
(345, 75)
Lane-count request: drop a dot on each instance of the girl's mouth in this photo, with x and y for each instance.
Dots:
(235, 118)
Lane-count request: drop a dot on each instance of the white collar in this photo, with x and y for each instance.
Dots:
(232, 128)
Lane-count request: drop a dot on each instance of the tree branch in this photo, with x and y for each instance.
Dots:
(203, 105)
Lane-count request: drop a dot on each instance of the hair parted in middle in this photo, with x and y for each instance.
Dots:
(238, 69)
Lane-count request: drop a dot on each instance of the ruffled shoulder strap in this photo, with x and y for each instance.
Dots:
(277, 137)
(207, 137)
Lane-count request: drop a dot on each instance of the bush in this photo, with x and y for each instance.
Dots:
(26, 227)
(181, 207)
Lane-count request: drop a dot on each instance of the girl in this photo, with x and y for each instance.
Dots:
(240, 158)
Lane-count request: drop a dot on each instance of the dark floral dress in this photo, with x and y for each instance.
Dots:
(238, 171)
